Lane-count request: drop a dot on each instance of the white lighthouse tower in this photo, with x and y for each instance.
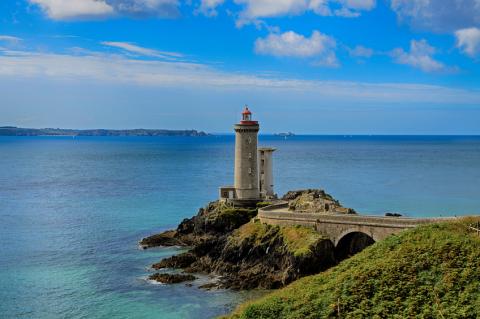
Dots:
(246, 165)
(248, 188)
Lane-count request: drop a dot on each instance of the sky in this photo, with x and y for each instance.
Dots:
(306, 66)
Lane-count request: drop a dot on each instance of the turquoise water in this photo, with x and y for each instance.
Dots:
(73, 210)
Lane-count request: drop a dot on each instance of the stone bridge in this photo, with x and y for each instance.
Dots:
(346, 231)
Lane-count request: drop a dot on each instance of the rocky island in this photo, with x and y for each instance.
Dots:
(230, 242)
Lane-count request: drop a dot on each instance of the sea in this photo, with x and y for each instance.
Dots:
(72, 210)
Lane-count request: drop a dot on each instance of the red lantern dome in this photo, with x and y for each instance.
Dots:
(247, 117)
(246, 111)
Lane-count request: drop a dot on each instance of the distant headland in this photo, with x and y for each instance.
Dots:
(18, 131)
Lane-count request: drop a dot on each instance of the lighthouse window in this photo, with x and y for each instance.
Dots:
(249, 140)
(249, 155)
(249, 170)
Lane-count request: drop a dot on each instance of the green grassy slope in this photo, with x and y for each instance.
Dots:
(298, 240)
(432, 271)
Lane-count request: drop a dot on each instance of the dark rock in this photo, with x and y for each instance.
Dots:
(172, 278)
(187, 226)
(167, 238)
(393, 215)
(178, 261)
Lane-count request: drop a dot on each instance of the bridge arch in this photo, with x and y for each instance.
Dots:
(351, 242)
(341, 233)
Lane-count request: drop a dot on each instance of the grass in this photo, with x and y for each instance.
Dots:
(254, 231)
(236, 213)
(297, 239)
(226, 218)
(432, 271)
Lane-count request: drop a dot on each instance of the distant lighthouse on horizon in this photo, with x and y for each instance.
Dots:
(253, 176)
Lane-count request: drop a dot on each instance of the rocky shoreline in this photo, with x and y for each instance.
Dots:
(231, 243)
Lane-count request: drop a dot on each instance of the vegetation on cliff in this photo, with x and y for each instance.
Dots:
(432, 271)
(298, 240)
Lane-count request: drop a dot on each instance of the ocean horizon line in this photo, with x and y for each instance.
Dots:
(279, 135)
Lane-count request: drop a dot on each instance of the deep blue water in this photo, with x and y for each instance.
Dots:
(73, 210)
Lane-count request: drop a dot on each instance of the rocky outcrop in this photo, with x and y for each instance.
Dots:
(259, 255)
(216, 219)
(179, 261)
(314, 201)
(229, 242)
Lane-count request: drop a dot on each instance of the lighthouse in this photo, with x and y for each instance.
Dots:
(253, 180)
(246, 166)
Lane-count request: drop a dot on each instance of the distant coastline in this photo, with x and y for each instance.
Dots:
(18, 131)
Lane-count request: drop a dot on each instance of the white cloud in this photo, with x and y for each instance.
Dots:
(209, 7)
(250, 12)
(419, 56)
(272, 8)
(88, 9)
(346, 13)
(146, 8)
(290, 44)
(359, 4)
(142, 51)
(361, 52)
(9, 39)
(468, 40)
(255, 9)
(320, 7)
(438, 15)
(126, 71)
(74, 9)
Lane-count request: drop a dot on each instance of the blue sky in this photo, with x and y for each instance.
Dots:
(308, 66)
